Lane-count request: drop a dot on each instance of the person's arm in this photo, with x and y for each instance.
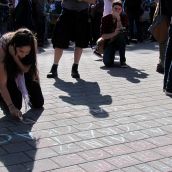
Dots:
(105, 28)
(2, 54)
(3, 88)
(111, 35)
(36, 77)
(3, 85)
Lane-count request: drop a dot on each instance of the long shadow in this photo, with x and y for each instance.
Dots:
(14, 137)
(146, 45)
(131, 74)
(85, 93)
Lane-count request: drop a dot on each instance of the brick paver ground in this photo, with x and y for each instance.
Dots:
(112, 119)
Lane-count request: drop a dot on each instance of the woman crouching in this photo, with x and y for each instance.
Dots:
(18, 72)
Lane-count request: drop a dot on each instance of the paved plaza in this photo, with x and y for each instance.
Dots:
(111, 120)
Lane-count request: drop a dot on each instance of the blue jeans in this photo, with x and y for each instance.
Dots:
(119, 44)
(168, 64)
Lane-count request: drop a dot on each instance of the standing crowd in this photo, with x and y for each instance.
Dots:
(113, 23)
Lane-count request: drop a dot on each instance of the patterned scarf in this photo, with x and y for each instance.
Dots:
(20, 81)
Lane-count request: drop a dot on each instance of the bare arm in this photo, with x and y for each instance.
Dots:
(3, 87)
(36, 77)
(111, 35)
(2, 54)
(117, 30)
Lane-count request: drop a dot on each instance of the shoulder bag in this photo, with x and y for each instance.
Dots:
(159, 27)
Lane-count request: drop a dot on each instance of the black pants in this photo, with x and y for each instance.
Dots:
(34, 91)
(110, 49)
(168, 64)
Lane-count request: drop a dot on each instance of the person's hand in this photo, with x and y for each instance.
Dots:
(14, 111)
(116, 14)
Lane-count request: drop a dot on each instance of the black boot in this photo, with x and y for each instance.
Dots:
(160, 69)
(74, 72)
(53, 72)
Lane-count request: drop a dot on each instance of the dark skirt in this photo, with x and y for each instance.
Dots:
(71, 26)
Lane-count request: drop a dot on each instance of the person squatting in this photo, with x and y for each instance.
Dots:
(19, 76)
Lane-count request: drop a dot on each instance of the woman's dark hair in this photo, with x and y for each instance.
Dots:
(21, 37)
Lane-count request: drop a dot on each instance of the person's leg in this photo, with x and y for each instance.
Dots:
(169, 81)
(35, 92)
(109, 55)
(168, 65)
(41, 30)
(162, 51)
(77, 56)
(139, 32)
(131, 26)
(57, 56)
(121, 46)
(96, 29)
(168, 60)
(81, 34)
(60, 40)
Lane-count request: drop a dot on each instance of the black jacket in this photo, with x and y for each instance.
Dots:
(166, 6)
(133, 7)
(23, 15)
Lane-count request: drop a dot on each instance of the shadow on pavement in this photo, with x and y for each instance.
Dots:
(131, 74)
(86, 94)
(15, 140)
(147, 45)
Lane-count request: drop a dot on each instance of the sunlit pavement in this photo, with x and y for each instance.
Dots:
(112, 119)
